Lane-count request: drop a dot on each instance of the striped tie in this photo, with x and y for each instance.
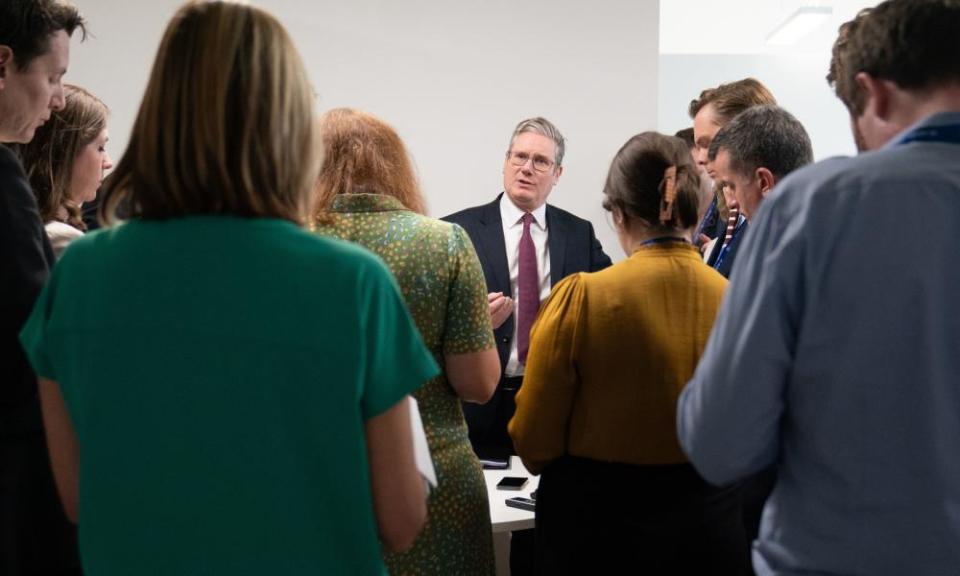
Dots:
(731, 223)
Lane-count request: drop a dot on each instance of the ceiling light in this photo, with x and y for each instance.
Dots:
(801, 23)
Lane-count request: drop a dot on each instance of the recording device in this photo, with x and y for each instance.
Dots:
(511, 483)
(522, 503)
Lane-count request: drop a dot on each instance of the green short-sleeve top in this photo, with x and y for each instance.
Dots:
(218, 372)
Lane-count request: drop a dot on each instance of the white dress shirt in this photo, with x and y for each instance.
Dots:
(61, 234)
(510, 215)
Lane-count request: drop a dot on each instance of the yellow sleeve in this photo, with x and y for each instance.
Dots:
(544, 402)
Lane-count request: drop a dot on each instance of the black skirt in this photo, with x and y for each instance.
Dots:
(608, 518)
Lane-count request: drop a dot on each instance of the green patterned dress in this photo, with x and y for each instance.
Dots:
(442, 282)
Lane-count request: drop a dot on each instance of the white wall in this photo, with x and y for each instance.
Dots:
(705, 42)
(452, 77)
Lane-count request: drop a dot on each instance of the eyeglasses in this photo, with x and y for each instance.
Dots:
(540, 163)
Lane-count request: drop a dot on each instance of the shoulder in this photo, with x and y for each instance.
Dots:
(438, 235)
(325, 251)
(13, 180)
(57, 229)
(442, 228)
(473, 214)
(60, 235)
(710, 279)
(9, 161)
(568, 220)
(838, 178)
(570, 290)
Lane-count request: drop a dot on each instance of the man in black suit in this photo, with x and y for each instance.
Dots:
(35, 535)
(509, 242)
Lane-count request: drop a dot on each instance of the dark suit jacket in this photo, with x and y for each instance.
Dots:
(36, 537)
(25, 260)
(732, 248)
(573, 248)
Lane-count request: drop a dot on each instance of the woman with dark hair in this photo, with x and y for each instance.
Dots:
(609, 354)
(65, 163)
(369, 195)
(223, 391)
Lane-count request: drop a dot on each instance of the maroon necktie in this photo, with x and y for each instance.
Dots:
(528, 286)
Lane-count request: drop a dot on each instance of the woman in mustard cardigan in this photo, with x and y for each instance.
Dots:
(609, 354)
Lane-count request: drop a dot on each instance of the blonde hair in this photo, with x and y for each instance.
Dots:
(49, 158)
(226, 125)
(364, 154)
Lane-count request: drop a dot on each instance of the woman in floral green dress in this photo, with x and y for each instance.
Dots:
(369, 195)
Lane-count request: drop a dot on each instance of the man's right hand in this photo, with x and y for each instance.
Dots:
(501, 307)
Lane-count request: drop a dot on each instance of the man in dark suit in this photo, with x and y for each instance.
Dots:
(710, 112)
(525, 247)
(35, 535)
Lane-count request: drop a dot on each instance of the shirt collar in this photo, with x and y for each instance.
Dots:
(511, 215)
(936, 119)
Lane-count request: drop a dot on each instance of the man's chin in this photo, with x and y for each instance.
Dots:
(523, 198)
(24, 136)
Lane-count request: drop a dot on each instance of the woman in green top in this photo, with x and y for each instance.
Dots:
(369, 195)
(223, 391)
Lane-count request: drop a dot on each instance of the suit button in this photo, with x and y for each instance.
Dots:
(505, 339)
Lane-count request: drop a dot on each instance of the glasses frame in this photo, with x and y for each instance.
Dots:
(516, 160)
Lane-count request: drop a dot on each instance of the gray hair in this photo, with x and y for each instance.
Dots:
(543, 127)
(764, 137)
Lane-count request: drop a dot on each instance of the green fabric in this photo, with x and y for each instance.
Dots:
(442, 282)
(219, 371)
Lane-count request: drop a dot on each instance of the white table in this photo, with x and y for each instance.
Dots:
(503, 518)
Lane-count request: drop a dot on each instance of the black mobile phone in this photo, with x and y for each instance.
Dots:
(511, 483)
(522, 503)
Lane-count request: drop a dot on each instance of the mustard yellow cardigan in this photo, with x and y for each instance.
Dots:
(609, 354)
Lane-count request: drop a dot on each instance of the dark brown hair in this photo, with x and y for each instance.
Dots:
(913, 43)
(732, 98)
(226, 126)
(764, 137)
(687, 136)
(49, 158)
(364, 155)
(637, 182)
(27, 25)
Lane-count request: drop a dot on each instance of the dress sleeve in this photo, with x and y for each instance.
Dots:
(467, 325)
(550, 382)
(396, 360)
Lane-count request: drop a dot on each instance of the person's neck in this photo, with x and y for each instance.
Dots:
(917, 106)
(640, 234)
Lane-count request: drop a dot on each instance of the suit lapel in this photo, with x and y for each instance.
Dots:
(557, 241)
(492, 246)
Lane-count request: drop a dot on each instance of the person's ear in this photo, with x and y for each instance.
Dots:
(6, 61)
(617, 217)
(556, 176)
(877, 95)
(766, 180)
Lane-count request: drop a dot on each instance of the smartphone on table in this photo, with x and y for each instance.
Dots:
(511, 483)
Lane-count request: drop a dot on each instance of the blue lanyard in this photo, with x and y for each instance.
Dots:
(948, 133)
(725, 248)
